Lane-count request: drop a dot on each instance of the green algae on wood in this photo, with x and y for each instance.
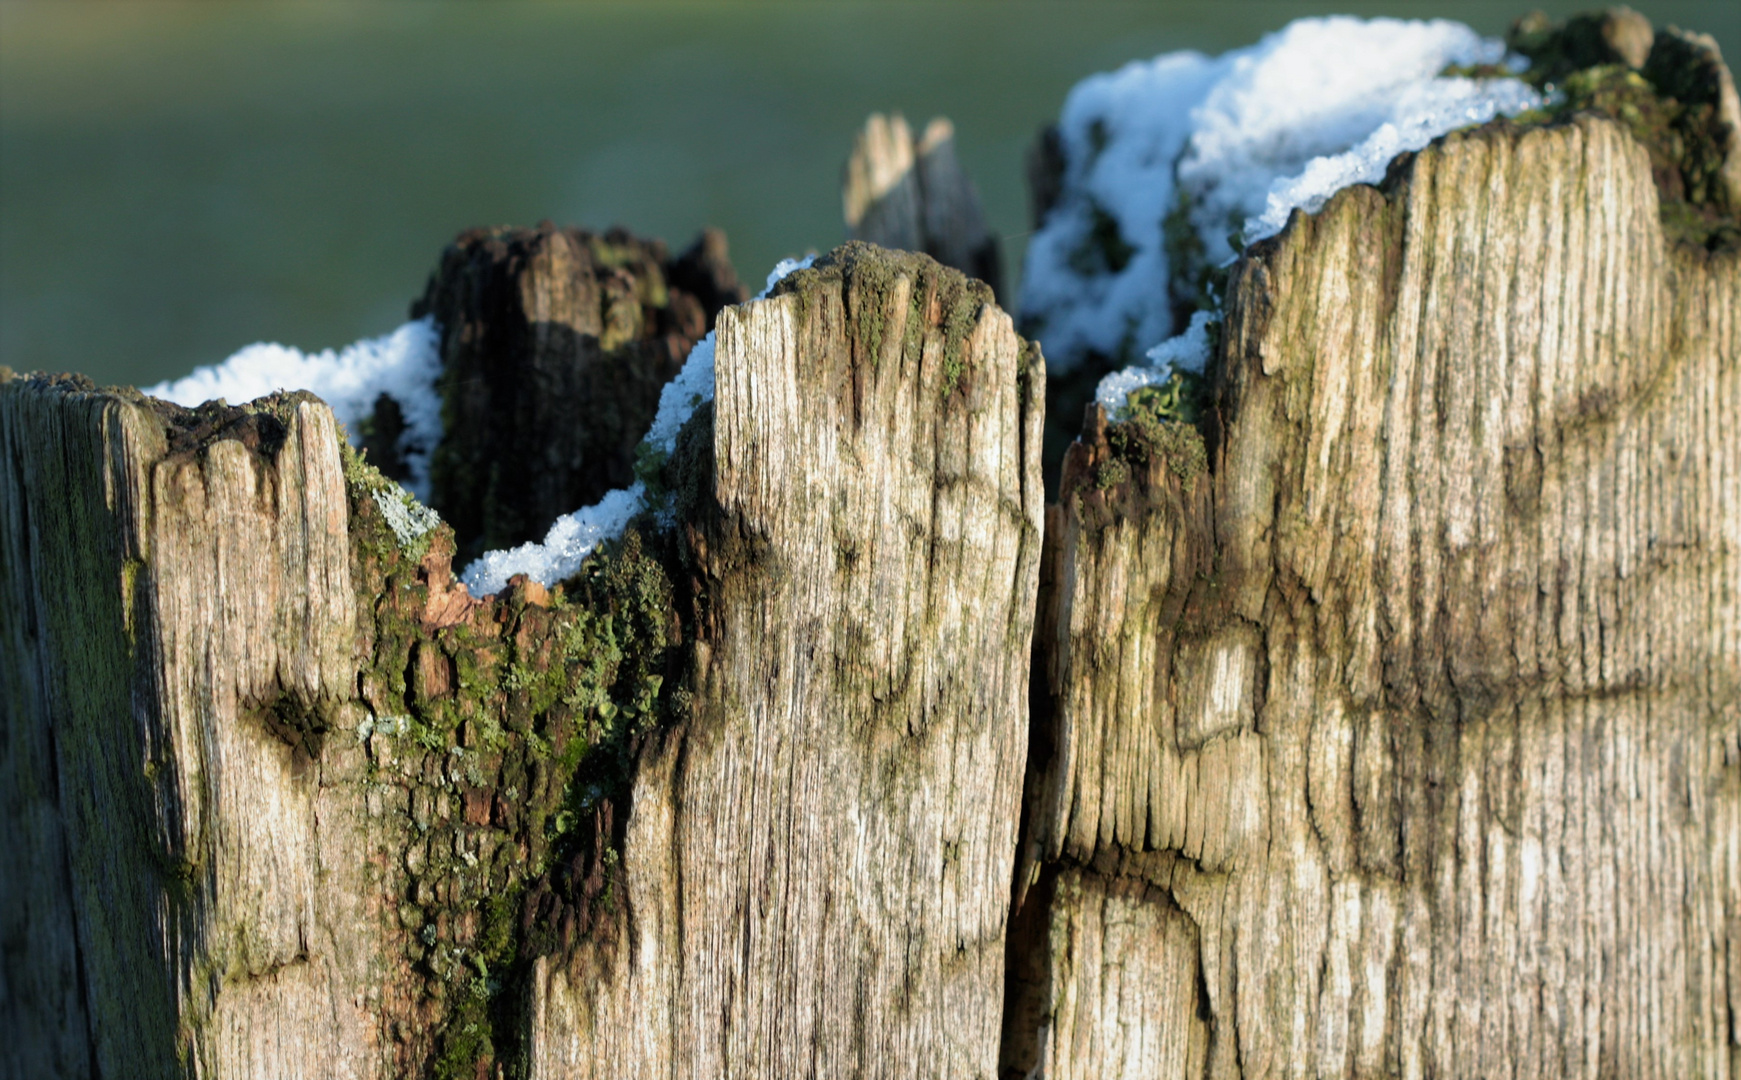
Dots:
(939, 296)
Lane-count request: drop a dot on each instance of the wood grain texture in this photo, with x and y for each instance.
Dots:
(179, 586)
(64, 682)
(1416, 720)
(293, 804)
(1403, 740)
(817, 863)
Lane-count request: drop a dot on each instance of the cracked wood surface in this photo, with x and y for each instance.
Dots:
(227, 865)
(207, 915)
(1413, 728)
(1404, 741)
(817, 862)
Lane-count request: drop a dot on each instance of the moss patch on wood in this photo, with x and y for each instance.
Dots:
(1159, 425)
(505, 729)
(940, 297)
(1664, 89)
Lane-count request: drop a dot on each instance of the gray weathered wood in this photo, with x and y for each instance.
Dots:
(1407, 740)
(915, 196)
(817, 861)
(1388, 725)
(163, 587)
(292, 803)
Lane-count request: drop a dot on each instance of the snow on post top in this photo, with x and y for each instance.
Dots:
(402, 365)
(405, 365)
(1185, 158)
(572, 537)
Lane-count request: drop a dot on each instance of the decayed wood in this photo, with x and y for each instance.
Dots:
(817, 861)
(64, 682)
(294, 804)
(1407, 740)
(1390, 725)
(555, 345)
(284, 783)
(911, 196)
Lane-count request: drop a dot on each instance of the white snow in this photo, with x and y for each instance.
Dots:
(1240, 141)
(1326, 103)
(574, 536)
(1188, 351)
(403, 365)
(571, 538)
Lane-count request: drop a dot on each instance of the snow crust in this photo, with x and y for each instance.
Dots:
(403, 365)
(572, 537)
(1235, 143)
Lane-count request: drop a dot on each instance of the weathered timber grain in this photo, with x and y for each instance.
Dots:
(816, 861)
(1407, 740)
(555, 344)
(915, 196)
(167, 586)
(293, 803)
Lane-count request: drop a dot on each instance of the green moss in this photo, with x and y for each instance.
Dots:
(1159, 423)
(130, 569)
(1685, 149)
(1183, 398)
(1476, 71)
(1111, 473)
(960, 315)
(481, 1022)
(650, 467)
(867, 275)
(1669, 107)
(869, 300)
(505, 724)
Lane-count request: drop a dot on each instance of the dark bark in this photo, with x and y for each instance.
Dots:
(555, 345)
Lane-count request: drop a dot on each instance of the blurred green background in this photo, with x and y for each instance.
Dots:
(178, 180)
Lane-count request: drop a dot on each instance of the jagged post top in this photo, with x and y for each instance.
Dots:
(440, 788)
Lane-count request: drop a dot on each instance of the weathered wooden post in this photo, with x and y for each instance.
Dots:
(1397, 730)
(913, 195)
(1385, 722)
(739, 799)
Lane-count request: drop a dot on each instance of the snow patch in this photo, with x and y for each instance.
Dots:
(403, 365)
(1229, 147)
(1186, 352)
(572, 537)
